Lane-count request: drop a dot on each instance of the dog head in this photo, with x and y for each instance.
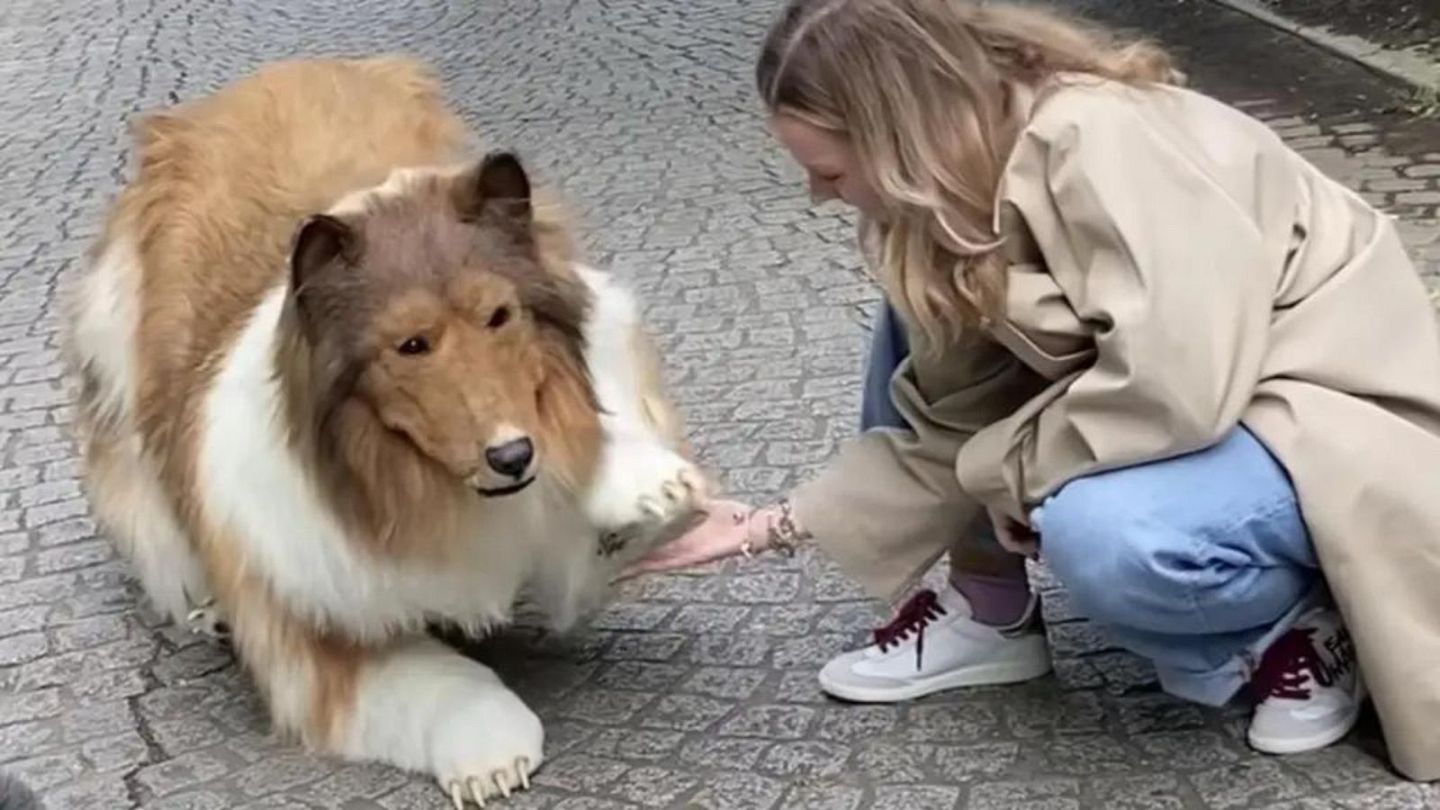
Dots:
(431, 305)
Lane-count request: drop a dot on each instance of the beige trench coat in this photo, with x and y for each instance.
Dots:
(1176, 270)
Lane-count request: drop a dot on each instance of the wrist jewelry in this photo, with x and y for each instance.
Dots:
(747, 548)
(782, 532)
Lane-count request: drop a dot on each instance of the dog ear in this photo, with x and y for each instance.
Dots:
(321, 244)
(496, 189)
(320, 241)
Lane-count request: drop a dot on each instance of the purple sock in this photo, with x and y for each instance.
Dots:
(996, 601)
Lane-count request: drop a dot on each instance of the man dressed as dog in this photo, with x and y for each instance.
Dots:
(339, 380)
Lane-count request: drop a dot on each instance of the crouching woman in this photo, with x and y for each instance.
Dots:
(1130, 330)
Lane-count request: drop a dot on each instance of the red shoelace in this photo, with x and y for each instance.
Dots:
(1285, 666)
(917, 612)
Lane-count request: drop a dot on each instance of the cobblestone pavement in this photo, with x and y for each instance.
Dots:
(696, 690)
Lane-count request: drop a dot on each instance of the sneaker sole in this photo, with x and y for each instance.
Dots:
(1324, 739)
(981, 675)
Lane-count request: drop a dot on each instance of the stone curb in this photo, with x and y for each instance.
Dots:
(1409, 65)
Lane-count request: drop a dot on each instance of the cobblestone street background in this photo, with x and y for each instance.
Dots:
(697, 689)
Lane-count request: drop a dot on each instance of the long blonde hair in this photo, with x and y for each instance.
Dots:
(926, 92)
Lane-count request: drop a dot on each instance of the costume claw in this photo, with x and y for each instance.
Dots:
(457, 796)
(477, 790)
(209, 600)
(498, 777)
(675, 491)
(652, 507)
(522, 770)
(694, 482)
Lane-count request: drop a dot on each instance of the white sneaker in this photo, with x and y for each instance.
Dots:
(933, 644)
(1308, 686)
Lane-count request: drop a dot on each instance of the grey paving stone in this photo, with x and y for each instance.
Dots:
(769, 722)
(22, 648)
(724, 682)
(739, 792)
(651, 786)
(916, 797)
(1246, 783)
(1189, 750)
(36, 705)
(581, 772)
(969, 763)
(182, 772)
(895, 763)
(805, 758)
(1051, 794)
(822, 797)
(1147, 792)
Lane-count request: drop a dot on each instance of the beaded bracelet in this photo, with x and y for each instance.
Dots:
(782, 534)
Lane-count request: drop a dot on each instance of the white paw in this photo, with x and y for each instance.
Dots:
(207, 620)
(488, 748)
(643, 488)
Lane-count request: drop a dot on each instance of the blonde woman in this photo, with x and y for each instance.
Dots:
(1132, 331)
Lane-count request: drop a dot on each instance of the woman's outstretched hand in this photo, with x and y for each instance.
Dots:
(721, 534)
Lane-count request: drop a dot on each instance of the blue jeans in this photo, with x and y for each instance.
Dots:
(1196, 562)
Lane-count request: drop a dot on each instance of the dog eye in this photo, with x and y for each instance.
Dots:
(500, 318)
(415, 345)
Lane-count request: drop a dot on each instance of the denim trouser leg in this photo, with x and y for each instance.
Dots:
(888, 347)
(1195, 562)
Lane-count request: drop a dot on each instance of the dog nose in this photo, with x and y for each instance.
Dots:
(511, 458)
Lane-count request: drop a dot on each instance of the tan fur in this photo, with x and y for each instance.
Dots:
(278, 647)
(223, 184)
(660, 410)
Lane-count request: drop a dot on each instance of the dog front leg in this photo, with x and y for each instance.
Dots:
(413, 703)
(644, 483)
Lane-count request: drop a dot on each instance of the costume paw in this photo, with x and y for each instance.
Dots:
(206, 620)
(498, 783)
(643, 489)
(487, 749)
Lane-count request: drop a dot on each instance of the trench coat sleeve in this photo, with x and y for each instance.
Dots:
(1172, 275)
(889, 504)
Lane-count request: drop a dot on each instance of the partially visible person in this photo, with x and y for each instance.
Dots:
(1126, 329)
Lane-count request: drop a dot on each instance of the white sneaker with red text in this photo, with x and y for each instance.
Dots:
(1308, 687)
(932, 645)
